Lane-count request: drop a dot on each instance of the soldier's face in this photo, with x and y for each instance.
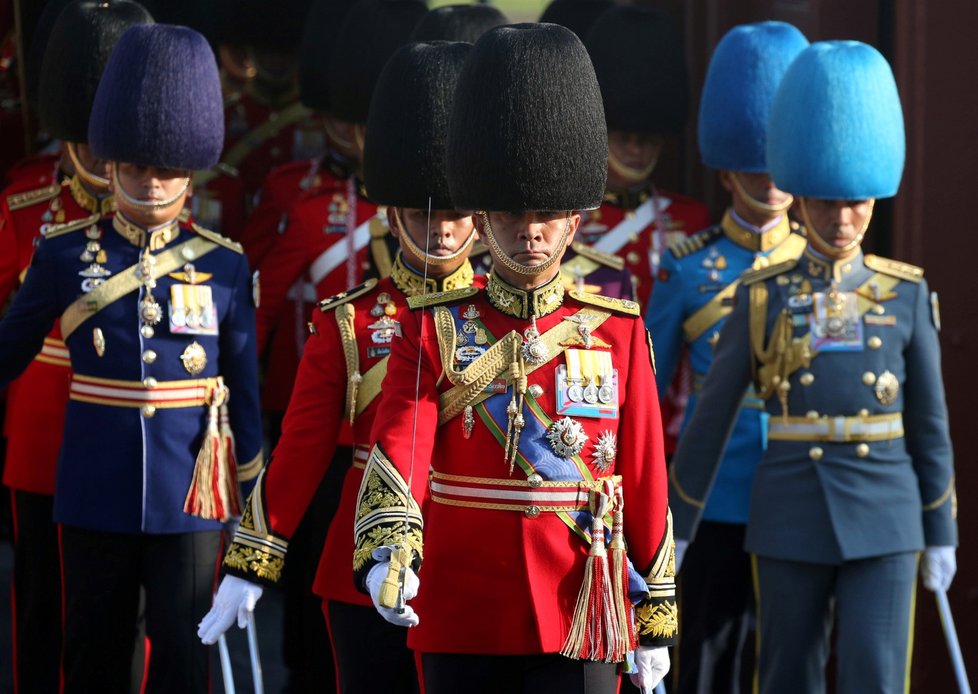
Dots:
(632, 157)
(152, 195)
(529, 238)
(99, 167)
(440, 236)
(837, 226)
(757, 187)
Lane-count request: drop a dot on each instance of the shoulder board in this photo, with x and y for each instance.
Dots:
(218, 239)
(437, 298)
(32, 197)
(609, 259)
(695, 242)
(797, 228)
(329, 303)
(56, 230)
(625, 306)
(894, 268)
(755, 276)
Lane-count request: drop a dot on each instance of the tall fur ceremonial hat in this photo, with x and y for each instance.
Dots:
(576, 15)
(458, 23)
(404, 150)
(371, 32)
(199, 15)
(275, 26)
(527, 130)
(81, 40)
(641, 66)
(322, 26)
(735, 106)
(836, 129)
(159, 102)
(34, 60)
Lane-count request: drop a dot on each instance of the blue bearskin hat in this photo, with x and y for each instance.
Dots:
(836, 129)
(159, 102)
(79, 47)
(735, 106)
(404, 150)
(527, 131)
(458, 23)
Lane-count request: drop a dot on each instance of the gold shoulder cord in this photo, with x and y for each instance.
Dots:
(344, 319)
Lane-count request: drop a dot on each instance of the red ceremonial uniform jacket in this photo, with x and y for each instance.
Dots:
(36, 401)
(258, 137)
(351, 334)
(328, 243)
(501, 572)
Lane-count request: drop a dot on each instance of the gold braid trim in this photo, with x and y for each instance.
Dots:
(386, 512)
(657, 616)
(344, 319)
(255, 553)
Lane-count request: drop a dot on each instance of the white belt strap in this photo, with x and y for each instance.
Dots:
(614, 240)
(335, 255)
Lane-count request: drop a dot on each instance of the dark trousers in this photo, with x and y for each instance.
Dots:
(36, 594)
(716, 611)
(371, 654)
(103, 573)
(872, 601)
(305, 644)
(449, 673)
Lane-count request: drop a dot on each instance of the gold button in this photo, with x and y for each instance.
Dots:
(147, 331)
(761, 262)
(812, 414)
(863, 412)
(874, 342)
(149, 356)
(632, 258)
(149, 411)
(807, 379)
(149, 382)
(535, 390)
(862, 450)
(534, 480)
(815, 453)
(869, 378)
(532, 512)
(879, 310)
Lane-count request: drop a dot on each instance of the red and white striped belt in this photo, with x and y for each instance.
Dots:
(146, 393)
(531, 496)
(361, 453)
(55, 352)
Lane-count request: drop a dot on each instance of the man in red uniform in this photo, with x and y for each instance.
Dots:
(406, 133)
(529, 412)
(81, 41)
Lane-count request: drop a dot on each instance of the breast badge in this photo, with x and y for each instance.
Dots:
(566, 437)
(194, 358)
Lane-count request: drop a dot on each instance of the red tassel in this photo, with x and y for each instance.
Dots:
(213, 493)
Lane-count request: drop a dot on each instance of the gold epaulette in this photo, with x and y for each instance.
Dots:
(630, 308)
(797, 228)
(608, 259)
(438, 298)
(32, 197)
(56, 230)
(894, 268)
(761, 274)
(700, 239)
(331, 302)
(218, 239)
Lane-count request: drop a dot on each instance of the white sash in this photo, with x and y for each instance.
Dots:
(335, 255)
(615, 239)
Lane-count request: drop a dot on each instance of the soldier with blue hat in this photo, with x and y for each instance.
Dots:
(162, 420)
(857, 479)
(691, 300)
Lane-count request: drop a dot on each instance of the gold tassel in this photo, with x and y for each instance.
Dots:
(619, 580)
(213, 492)
(595, 632)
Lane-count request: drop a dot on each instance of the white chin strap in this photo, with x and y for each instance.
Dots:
(520, 268)
(84, 173)
(755, 204)
(628, 173)
(142, 204)
(828, 249)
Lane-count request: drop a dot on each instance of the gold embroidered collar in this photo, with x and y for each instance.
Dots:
(759, 242)
(412, 284)
(828, 269)
(96, 205)
(138, 236)
(515, 302)
(627, 200)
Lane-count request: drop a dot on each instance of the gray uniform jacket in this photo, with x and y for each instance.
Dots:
(830, 497)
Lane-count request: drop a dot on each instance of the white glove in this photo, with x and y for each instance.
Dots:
(937, 568)
(235, 597)
(376, 576)
(651, 665)
(681, 547)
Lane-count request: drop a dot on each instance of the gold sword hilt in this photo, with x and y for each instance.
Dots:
(392, 588)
